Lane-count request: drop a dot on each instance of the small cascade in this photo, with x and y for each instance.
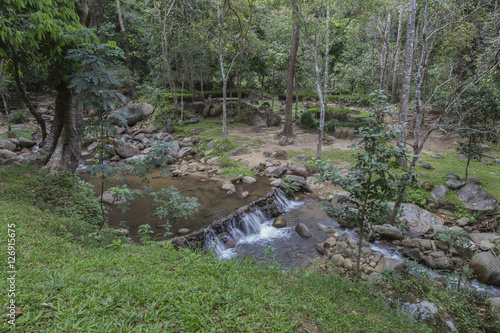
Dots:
(250, 228)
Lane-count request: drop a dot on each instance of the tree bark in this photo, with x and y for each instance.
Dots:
(405, 91)
(394, 87)
(385, 52)
(95, 13)
(4, 99)
(288, 128)
(126, 49)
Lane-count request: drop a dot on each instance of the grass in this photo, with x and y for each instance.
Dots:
(66, 285)
(19, 133)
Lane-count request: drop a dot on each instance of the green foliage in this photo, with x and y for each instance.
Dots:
(416, 196)
(290, 186)
(144, 231)
(308, 120)
(18, 116)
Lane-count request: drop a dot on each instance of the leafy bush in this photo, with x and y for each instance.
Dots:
(18, 116)
(308, 120)
(290, 186)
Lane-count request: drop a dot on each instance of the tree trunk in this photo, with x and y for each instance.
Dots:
(322, 107)
(238, 82)
(126, 49)
(394, 87)
(4, 99)
(405, 91)
(296, 95)
(288, 128)
(385, 52)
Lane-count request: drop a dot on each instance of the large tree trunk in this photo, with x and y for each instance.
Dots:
(405, 91)
(288, 128)
(394, 87)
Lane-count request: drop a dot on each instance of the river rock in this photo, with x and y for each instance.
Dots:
(487, 268)
(298, 169)
(135, 159)
(341, 195)
(454, 184)
(276, 172)
(478, 238)
(312, 184)
(132, 114)
(279, 222)
(477, 199)
(297, 179)
(439, 192)
(125, 150)
(386, 264)
(388, 231)
(248, 180)
(237, 151)
(303, 230)
(6, 144)
(419, 220)
(276, 183)
(110, 198)
(337, 260)
(184, 152)
(348, 264)
(494, 302)
(463, 221)
(5, 154)
(280, 155)
(228, 186)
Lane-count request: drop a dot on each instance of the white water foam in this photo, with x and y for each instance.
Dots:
(254, 228)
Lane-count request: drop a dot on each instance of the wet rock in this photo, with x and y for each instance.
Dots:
(303, 230)
(312, 184)
(280, 155)
(388, 231)
(184, 152)
(439, 192)
(477, 199)
(132, 114)
(454, 184)
(6, 144)
(279, 222)
(487, 268)
(419, 220)
(248, 180)
(125, 150)
(276, 172)
(298, 169)
(386, 264)
(237, 151)
(183, 231)
(414, 254)
(228, 186)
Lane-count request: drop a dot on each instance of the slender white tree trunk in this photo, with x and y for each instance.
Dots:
(396, 59)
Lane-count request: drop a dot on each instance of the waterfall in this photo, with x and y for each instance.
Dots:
(250, 228)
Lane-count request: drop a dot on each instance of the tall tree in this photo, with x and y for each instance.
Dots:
(395, 66)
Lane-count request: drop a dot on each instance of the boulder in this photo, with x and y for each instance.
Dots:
(184, 152)
(439, 192)
(297, 179)
(280, 155)
(198, 107)
(276, 183)
(169, 128)
(228, 186)
(112, 198)
(276, 172)
(248, 180)
(419, 220)
(454, 184)
(6, 144)
(237, 151)
(282, 141)
(26, 143)
(341, 195)
(279, 222)
(273, 120)
(477, 199)
(487, 268)
(132, 114)
(386, 264)
(337, 260)
(216, 110)
(473, 181)
(298, 169)
(452, 176)
(478, 238)
(5, 154)
(425, 166)
(463, 221)
(312, 184)
(303, 230)
(388, 231)
(125, 150)
(494, 302)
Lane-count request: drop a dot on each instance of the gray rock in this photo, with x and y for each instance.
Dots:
(276, 183)
(443, 263)
(438, 156)
(196, 129)
(5, 154)
(26, 143)
(303, 230)
(228, 186)
(279, 222)
(6, 144)
(282, 141)
(439, 192)
(273, 120)
(478, 238)
(452, 176)
(132, 114)
(419, 220)
(341, 195)
(184, 152)
(388, 231)
(337, 260)
(494, 302)
(374, 277)
(216, 110)
(248, 180)
(487, 268)
(183, 231)
(289, 141)
(298, 169)
(244, 194)
(386, 264)
(280, 155)
(463, 221)
(167, 137)
(297, 179)
(169, 128)
(477, 199)
(224, 147)
(212, 144)
(453, 184)
(134, 159)
(237, 151)
(267, 153)
(110, 198)
(473, 181)
(125, 150)
(425, 166)
(312, 184)
(174, 149)
(276, 172)
(423, 310)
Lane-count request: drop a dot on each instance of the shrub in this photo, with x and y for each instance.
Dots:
(308, 120)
